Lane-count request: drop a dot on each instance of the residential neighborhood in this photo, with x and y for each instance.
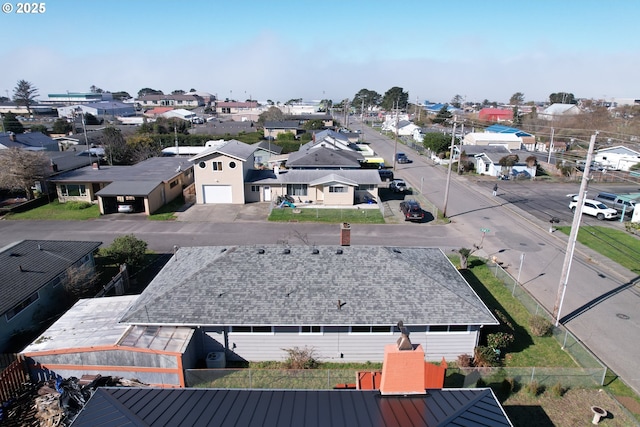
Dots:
(232, 214)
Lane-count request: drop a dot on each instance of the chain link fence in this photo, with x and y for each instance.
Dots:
(304, 379)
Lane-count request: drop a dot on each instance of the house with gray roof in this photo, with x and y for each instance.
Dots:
(146, 186)
(275, 127)
(31, 141)
(487, 158)
(323, 157)
(33, 274)
(254, 301)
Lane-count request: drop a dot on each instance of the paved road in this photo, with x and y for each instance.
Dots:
(603, 307)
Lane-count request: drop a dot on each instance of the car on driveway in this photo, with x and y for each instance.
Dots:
(125, 209)
(386, 174)
(595, 208)
(398, 186)
(411, 210)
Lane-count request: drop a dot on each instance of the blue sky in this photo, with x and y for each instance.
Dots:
(281, 50)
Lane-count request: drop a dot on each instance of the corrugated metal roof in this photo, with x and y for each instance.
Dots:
(379, 285)
(124, 407)
(30, 264)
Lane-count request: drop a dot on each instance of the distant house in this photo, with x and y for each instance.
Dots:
(526, 138)
(508, 140)
(265, 152)
(617, 158)
(323, 157)
(33, 274)
(190, 100)
(233, 107)
(30, 141)
(101, 109)
(495, 114)
(559, 110)
(487, 160)
(146, 186)
(179, 113)
(274, 128)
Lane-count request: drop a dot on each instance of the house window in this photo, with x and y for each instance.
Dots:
(232, 165)
(486, 167)
(173, 183)
(73, 190)
(297, 189)
(255, 188)
(337, 189)
(371, 330)
(252, 329)
(365, 187)
(24, 304)
(304, 330)
(217, 166)
(448, 328)
(202, 165)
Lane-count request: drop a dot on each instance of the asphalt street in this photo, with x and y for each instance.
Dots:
(601, 302)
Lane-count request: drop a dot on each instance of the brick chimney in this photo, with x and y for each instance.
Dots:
(403, 371)
(345, 234)
(12, 136)
(95, 165)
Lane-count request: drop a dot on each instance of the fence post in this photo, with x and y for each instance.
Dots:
(533, 372)
(328, 378)
(604, 374)
(564, 342)
(250, 379)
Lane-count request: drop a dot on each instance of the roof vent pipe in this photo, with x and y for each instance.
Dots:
(315, 251)
(286, 251)
(260, 251)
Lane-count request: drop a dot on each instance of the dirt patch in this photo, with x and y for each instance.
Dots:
(572, 409)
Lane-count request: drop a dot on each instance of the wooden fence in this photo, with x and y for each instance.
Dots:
(13, 377)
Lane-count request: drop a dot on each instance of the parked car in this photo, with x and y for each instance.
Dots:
(595, 208)
(402, 158)
(614, 201)
(398, 186)
(386, 174)
(411, 210)
(125, 209)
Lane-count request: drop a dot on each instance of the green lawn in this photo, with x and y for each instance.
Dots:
(355, 216)
(70, 211)
(167, 212)
(617, 245)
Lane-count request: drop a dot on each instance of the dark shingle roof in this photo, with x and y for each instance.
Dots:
(324, 157)
(125, 407)
(306, 176)
(30, 264)
(29, 141)
(237, 285)
(231, 148)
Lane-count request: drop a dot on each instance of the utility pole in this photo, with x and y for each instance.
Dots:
(446, 190)
(460, 145)
(395, 148)
(550, 147)
(575, 226)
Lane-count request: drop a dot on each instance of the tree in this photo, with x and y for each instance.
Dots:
(4, 99)
(517, 119)
(39, 128)
(325, 105)
(562, 98)
(394, 98)
(148, 91)
(121, 95)
(517, 99)
(10, 123)
(126, 249)
(21, 169)
(81, 281)
(116, 149)
(143, 147)
(177, 92)
(313, 124)
(436, 142)
(443, 115)
(61, 126)
(366, 98)
(271, 115)
(457, 100)
(509, 161)
(90, 119)
(95, 89)
(25, 94)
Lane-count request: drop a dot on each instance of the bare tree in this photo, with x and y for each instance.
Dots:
(81, 281)
(21, 169)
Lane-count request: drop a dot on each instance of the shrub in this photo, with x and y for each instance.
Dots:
(499, 340)
(481, 383)
(558, 390)
(126, 249)
(300, 358)
(464, 361)
(533, 388)
(76, 206)
(500, 315)
(484, 357)
(508, 386)
(540, 326)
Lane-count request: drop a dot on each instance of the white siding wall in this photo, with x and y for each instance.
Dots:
(337, 344)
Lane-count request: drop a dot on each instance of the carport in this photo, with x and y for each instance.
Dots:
(135, 193)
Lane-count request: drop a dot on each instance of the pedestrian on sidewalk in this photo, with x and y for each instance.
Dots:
(495, 190)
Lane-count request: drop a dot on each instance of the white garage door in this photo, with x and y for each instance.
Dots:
(217, 194)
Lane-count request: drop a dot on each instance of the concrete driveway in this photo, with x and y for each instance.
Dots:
(249, 212)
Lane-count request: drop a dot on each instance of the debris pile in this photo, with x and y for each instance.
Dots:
(55, 402)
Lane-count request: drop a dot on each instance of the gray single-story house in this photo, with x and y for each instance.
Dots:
(33, 274)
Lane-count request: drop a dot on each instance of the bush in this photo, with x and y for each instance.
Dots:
(300, 358)
(558, 390)
(499, 340)
(465, 361)
(481, 383)
(126, 249)
(508, 386)
(76, 206)
(533, 388)
(484, 357)
(540, 326)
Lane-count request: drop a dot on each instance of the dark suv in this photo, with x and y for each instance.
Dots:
(411, 210)
(386, 174)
